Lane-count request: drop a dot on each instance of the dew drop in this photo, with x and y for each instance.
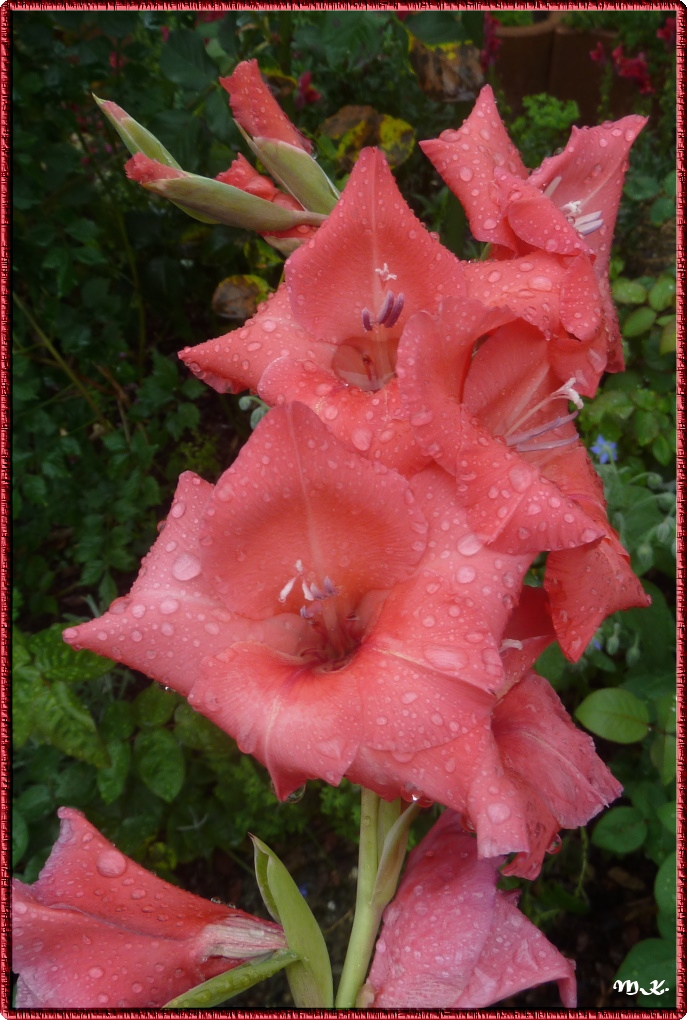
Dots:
(96, 972)
(178, 510)
(110, 863)
(168, 606)
(186, 567)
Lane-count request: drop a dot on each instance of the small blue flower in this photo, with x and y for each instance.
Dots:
(605, 450)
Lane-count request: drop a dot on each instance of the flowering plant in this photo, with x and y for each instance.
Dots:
(351, 599)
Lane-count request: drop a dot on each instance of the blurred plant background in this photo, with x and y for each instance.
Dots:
(109, 283)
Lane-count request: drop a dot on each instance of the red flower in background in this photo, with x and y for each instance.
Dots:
(98, 930)
(491, 43)
(306, 93)
(634, 68)
(668, 33)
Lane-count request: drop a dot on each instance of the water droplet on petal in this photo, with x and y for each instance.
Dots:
(110, 863)
(186, 567)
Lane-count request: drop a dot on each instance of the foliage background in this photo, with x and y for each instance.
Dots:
(110, 283)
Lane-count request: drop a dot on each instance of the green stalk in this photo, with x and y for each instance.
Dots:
(367, 914)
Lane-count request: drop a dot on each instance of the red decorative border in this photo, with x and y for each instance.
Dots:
(5, 614)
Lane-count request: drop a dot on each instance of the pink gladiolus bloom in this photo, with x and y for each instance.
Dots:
(98, 930)
(501, 423)
(143, 169)
(450, 938)
(329, 335)
(256, 110)
(242, 175)
(566, 207)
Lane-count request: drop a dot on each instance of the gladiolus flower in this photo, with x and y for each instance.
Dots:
(452, 940)
(98, 930)
(306, 93)
(566, 207)
(329, 335)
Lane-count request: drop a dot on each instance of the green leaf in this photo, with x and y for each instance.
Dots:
(665, 885)
(218, 989)
(154, 706)
(638, 322)
(435, 27)
(662, 294)
(36, 802)
(64, 722)
(647, 961)
(621, 830)
(118, 721)
(668, 816)
(20, 836)
(310, 979)
(640, 187)
(628, 292)
(662, 209)
(184, 61)
(663, 753)
(57, 660)
(159, 762)
(668, 342)
(614, 714)
(112, 780)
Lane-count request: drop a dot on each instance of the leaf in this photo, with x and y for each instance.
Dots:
(218, 989)
(663, 754)
(650, 960)
(20, 836)
(56, 660)
(112, 780)
(665, 885)
(435, 27)
(628, 292)
(638, 322)
(154, 706)
(614, 714)
(118, 721)
(68, 725)
(159, 762)
(621, 830)
(667, 814)
(184, 61)
(310, 979)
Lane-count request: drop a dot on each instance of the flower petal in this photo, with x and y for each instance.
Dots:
(97, 930)
(300, 721)
(306, 509)
(237, 360)
(371, 422)
(370, 245)
(451, 940)
(171, 611)
(537, 738)
(589, 173)
(256, 110)
(467, 159)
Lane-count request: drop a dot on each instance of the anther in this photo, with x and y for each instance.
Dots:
(367, 320)
(392, 317)
(383, 313)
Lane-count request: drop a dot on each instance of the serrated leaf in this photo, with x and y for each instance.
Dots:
(26, 688)
(310, 979)
(56, 660)
(66, 723)
(118, 721)
(159, 762)
(218, 989)
(621, 830)
(615, 714)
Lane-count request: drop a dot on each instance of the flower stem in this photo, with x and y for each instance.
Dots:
(367, 914)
